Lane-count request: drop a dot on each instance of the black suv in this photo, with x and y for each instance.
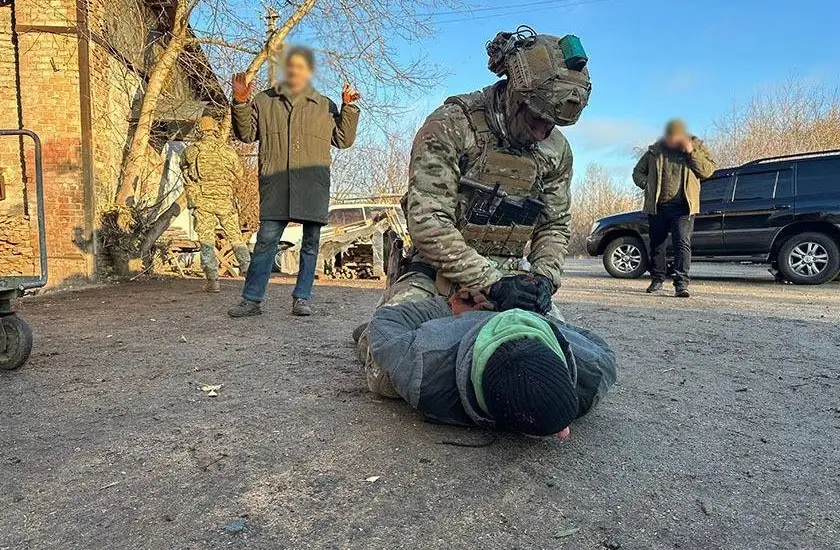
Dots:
(784, 211)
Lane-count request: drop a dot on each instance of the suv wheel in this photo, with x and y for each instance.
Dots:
(809, 259)
(624, 258)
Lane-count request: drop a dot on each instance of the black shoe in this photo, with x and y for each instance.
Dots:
(681, 291)
(301, 307)
(357, 332)
(655, 286)
(245, 308)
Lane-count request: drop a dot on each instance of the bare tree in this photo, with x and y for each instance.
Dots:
(597, 195)
(793, 117)
(359, 42)
(373, 167)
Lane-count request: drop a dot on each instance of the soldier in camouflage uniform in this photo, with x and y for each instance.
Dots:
(489, 148)
(210, 168)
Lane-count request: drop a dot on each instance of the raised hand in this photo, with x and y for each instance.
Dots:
(349, 94)
(242, 89)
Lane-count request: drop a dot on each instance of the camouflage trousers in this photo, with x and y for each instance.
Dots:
(410, 287)
(208, 215)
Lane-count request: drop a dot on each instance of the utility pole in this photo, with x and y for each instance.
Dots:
(273, 57)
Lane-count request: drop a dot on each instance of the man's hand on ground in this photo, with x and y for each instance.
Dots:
(242, 89)
(349, 94)
(528, 292)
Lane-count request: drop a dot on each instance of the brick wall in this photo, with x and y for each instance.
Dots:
(49, 97)
(16, 252)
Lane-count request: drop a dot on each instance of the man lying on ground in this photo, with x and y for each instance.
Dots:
(516, 370)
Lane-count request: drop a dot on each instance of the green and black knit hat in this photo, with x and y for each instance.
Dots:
(521, 377)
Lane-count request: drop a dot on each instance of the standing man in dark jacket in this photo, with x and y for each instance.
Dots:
(669, 173)
(516, 370)
(295, 126)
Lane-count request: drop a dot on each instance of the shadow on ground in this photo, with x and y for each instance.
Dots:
(723, 432)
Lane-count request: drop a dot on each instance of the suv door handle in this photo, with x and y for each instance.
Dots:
(714, 212)
(782, 207)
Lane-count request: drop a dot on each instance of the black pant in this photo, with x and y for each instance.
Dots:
(673, 219)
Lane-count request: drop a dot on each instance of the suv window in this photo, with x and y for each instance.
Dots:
(761, 185)
(714, 190)
(816, 177)
(346, 216)
(784, 184)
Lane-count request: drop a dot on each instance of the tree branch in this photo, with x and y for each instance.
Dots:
(275, 41)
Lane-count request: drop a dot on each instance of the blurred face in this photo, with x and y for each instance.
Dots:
(674, 140)
(298, 73)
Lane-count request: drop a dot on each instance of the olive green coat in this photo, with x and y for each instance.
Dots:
(647, 174)
(294, 151)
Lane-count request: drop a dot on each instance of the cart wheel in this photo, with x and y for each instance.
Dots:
(16, 342)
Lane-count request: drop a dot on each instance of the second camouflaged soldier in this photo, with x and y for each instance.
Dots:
(489, 173)
(210, 168)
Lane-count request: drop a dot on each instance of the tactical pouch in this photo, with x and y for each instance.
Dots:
(494, 240)
(515, 174)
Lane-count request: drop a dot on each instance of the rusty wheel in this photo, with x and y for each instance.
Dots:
(15, 342)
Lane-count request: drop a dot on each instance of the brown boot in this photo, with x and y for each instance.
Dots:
(212, 285)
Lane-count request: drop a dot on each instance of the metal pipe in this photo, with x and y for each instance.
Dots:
(39, 198)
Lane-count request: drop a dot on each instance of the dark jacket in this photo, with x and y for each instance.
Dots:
(647, 174)
(294, 152)
(427, 353)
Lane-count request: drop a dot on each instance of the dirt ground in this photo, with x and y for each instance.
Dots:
(722, 432)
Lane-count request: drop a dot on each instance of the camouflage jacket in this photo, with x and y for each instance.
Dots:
(448, 146)
(211, 168)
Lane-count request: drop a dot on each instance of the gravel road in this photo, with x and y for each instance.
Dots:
(723, 431)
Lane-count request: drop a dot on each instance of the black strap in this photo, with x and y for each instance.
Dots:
(424, 269)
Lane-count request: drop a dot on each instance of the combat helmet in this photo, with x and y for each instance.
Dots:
(546, 73)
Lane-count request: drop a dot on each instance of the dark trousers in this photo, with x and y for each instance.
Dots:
(673, 219)
(262, 260)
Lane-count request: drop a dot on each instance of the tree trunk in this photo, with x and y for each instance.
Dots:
(134, 167)
(275, 41)
(159, 226)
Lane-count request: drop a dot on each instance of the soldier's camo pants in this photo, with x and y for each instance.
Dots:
(207, 217)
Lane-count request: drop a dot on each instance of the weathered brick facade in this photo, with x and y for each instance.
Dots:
(73, 73)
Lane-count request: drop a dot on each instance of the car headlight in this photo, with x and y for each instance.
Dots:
(595, 226)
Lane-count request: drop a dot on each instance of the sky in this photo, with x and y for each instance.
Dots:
(650, 60)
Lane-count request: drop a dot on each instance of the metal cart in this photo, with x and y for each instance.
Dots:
(15, 334)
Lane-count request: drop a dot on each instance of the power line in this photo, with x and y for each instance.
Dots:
(489, 8)
(552, 4)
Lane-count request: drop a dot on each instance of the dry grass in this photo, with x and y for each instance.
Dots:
(789, 118)
(597, 196)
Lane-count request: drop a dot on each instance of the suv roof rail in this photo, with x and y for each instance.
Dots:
(795, 156)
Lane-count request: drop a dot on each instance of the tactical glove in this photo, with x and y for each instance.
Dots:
(547, 289)
(528, 292)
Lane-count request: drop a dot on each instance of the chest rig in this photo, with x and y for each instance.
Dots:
(498, 203)
(211, 169)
